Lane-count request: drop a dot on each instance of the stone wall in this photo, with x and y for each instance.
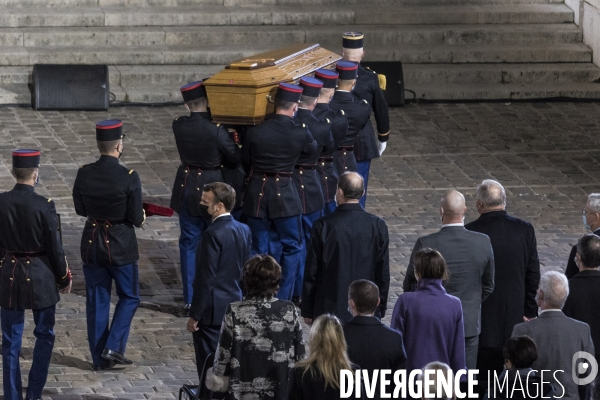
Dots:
(587, 16)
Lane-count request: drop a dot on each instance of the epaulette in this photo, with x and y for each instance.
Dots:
(370, 70)
(49, 200)
(218, 125)
(328, 121)
(176, 118)
(342, 111)
(304, 125)
(366, 102)
(130, 171)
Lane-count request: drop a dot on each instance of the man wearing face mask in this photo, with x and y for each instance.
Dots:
(591, 222)
(223, 251)
(470, 261)
(203, 149)
(345, 246)
(110, 197)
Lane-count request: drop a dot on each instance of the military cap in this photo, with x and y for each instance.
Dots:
(288, 92)
(25, 158)
(110, 129)
(353, 40)
(193, 91)
(347, 70)
(311, 87)
(329, 78)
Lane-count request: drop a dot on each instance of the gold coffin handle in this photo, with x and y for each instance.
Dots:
(270, 99)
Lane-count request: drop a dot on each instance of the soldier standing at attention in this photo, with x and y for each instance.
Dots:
(34, 270)
(367, 88)
(306, 176)
(357, 111)
(271, 203)
(203, 148)
(339, 128)
(110, 196)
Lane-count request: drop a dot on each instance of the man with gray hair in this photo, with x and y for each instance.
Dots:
(517, 274)
(470, 260)
(591, 222)
(557, 337)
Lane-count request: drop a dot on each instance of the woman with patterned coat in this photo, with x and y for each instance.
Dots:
(261, 338)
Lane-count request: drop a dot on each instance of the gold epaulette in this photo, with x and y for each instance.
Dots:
(328, 121)
(382, 81)
(342, 111)
(49, 200)
(130, 171)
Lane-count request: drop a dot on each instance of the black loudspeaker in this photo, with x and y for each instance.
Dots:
(70, 87)
(394, 91)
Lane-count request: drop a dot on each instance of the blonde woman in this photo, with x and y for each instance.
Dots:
(318, 376)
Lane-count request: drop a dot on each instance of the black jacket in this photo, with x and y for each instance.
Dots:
(272, 150)
(307, 180)
(347, 245)
(358, 113)
(582, 303)
(28, 224)
(110, 196)
(516, 277)
(572, 268)
(374, 346)
(304, 386)
(327, 171)
(203, 146)
(223, 250)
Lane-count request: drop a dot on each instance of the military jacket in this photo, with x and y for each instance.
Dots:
(367, 88)
(272, 149)
(358, 113)
(306, 178)
(110, 196)
(33, 262)
(327, 172)
(203, 149)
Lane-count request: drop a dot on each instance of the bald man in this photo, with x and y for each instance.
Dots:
(470, 260)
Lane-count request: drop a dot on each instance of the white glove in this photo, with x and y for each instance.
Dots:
(382, 146)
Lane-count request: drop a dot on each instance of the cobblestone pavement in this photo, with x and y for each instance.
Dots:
(544, 153)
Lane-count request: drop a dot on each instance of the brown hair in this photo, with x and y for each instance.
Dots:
(107, 147)
(261, 276)
(430, 264)
(23, 174)
(283, 105)
(198, 103)
(223, 193)
(365, 295)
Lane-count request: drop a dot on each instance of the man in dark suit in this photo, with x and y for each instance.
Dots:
(584, 288)
(110, 196)
(558, 338)
(591, 222)
(470, 260)
(387, 351)
(34, 270)
(357, 111)
(368, 89)
(347, 245)
(271, 202)
(517, 274)
(223, 250)
(339, 128)
(203, 148)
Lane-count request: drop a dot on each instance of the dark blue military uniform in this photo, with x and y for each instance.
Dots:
(203, 149)
(110, 196)
(357, 112)
(33, 270)
(271, 201)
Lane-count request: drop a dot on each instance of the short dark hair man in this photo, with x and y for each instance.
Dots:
(584, 287)
(33, 271)
(110, 196)
(387, 352)
(223, 250)
(329, 271)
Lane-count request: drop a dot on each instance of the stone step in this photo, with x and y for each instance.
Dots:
(461, 92)
(285, 15)
(327, 36)
(219, 55)
(417, 74)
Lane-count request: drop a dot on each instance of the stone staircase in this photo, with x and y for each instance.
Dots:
(451, 49)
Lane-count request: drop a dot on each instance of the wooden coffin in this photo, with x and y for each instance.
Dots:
(243, 93)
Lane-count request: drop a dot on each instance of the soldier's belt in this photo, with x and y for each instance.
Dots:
(346, 148)
(203, 167)
(103, 221)
(325, 159)
(274, 174)
(305, 166)
(19, 254)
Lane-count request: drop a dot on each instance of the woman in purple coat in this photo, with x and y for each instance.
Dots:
(430, 320)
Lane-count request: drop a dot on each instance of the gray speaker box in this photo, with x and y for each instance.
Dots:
(70, 87)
